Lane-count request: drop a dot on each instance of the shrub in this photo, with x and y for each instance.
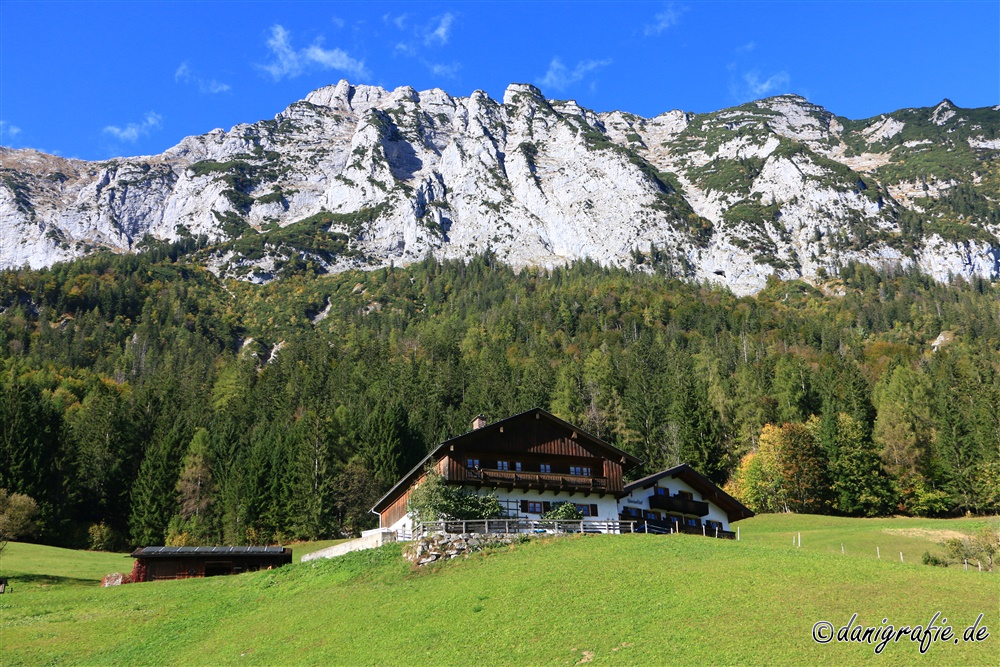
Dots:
(928, 559)
(17, 516)
(566, 511)
(102, 537)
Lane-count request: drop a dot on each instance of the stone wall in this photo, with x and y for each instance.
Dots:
(444, 546)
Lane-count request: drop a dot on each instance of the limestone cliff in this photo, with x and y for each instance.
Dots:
(357, 176)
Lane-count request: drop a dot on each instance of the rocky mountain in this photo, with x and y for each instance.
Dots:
(357, 176)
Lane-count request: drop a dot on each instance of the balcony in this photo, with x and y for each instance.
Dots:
(540, 481)
(679, 505)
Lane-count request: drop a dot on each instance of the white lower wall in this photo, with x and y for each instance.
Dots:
(608, 507)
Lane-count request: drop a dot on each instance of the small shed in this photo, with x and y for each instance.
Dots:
(158, 563)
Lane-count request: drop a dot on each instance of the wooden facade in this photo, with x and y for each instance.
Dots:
(160, 563)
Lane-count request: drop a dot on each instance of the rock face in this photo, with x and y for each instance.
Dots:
(357, 176)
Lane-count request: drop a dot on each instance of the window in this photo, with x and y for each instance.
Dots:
(578, 470)
(692, 522)
(534, 508)
(503, 465)
(517, 466)
(584, 509)
(686, 495)
(661, 491)
(545, 467)
(472, 463)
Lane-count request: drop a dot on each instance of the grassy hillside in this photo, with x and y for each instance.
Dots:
(606, 599)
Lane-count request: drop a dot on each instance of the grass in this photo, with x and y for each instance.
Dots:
(860, 537)
(42, 565)
(607, 599)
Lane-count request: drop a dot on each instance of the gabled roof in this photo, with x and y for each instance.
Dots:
(708, 489)
(592, 443)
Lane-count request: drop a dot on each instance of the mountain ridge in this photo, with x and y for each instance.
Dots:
(778, 186)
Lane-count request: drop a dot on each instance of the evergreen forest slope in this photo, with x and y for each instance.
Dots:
(144, 395)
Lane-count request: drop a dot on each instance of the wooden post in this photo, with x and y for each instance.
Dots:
(900, 556)
(800, 540)
(716, 531)
(737, 533)
(878, 553)
(966, 564)
(841, 548)
(645, 528)
(980, 565)
(507, 526)
(703, 530)
(463, 528)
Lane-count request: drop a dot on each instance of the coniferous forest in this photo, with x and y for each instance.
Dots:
(145, 401)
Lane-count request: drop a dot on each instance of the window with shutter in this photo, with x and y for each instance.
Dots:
(593, 510)
(524, 506)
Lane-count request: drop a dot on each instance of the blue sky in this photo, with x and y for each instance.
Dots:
(99, 79)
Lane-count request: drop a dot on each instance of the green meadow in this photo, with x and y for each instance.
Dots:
(627, 600)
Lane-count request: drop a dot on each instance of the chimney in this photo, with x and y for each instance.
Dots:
(478, 422)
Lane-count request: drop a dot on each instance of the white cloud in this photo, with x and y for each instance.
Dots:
(406, 49)
(441, 33)
(762, 88)
(747, 48)
(210, 86)
(287, 62)
(668, 18)
(8, 131)
(133, 131)
(447, 71)
(337, 21)
(183, 73)
(398, 21)
(559, 77)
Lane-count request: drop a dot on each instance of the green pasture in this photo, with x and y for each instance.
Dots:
(625, 600)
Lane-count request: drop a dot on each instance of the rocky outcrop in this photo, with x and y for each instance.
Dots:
(778, 187)
(445, 546)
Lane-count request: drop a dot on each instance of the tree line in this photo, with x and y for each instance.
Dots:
(145, 396)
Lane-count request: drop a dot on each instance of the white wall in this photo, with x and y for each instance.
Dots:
(640, 498)
(607, 507)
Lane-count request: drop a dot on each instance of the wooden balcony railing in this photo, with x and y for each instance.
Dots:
(679, 505)
(539, 480)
